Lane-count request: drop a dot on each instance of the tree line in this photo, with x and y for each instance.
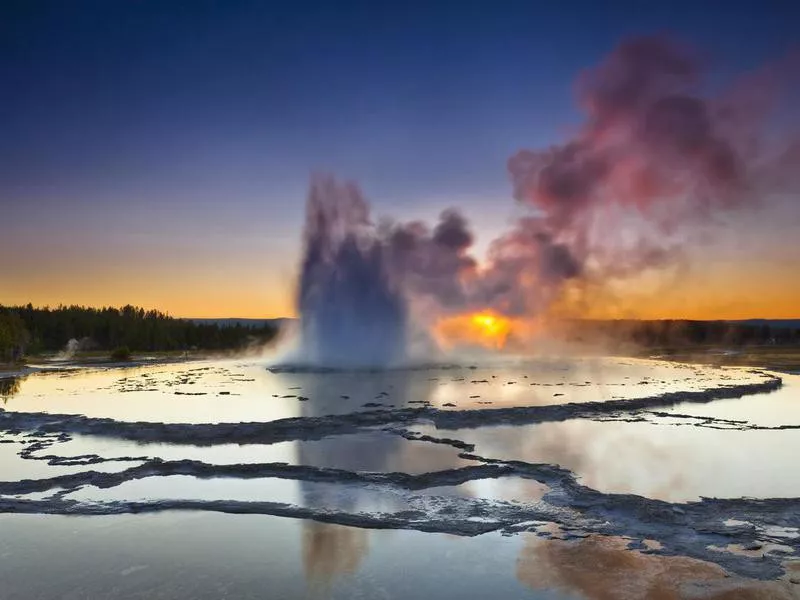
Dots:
(14, 336)
(32, 330)
(36, 330)
(677, 333)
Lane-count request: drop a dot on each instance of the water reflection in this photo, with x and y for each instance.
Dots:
(664, 458)
(233, 391)
(9, 387)
(357, 453)
(207, 556)
(777, 408)
(331, 551)
(600, 568)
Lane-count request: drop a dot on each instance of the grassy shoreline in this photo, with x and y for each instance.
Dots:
(46, 362)
(785, 359)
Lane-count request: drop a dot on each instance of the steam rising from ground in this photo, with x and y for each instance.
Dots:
(653, 161)
(353, 314)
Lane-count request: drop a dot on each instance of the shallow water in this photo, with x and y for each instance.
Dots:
(200, 556)
(723, 449)
(381, 463)
(369, 451)
(233, 391)
(672, 463)
(781, 407)
(205, 556)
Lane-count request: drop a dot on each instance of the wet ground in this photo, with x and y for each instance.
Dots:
(557, 478)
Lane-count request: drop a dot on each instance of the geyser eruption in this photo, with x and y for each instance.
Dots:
(361, 282)
(352, 312)
(653, 162)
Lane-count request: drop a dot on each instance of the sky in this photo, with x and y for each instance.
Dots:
(158, 152)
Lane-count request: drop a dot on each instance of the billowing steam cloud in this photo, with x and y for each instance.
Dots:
(653, 158)
(353, 313)
(359, 281)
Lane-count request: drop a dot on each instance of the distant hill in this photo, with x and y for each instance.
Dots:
(776, 323)
(251, 323)
(680, 332)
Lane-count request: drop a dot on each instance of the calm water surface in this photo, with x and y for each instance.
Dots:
(202, 556)
(723, 449)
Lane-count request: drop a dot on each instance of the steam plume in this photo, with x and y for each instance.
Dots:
(653, 159)
(352, 313)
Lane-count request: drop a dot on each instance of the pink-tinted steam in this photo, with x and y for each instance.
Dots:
(654, 158)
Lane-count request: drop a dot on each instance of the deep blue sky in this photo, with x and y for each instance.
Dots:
(182, 123)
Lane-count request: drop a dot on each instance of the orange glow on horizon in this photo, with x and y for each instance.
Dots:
(247, 288)
(485, 328)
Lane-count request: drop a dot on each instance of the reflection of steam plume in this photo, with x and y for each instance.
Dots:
(600, 568)
(330, 551)
(653, 159)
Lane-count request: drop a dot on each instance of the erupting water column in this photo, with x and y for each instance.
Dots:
(352, 314)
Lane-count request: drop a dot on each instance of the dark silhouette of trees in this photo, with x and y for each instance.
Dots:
(13, 336)
(139, 330)
(51, 329)
(683, 333)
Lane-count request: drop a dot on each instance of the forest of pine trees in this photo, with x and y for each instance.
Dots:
(39, 330)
